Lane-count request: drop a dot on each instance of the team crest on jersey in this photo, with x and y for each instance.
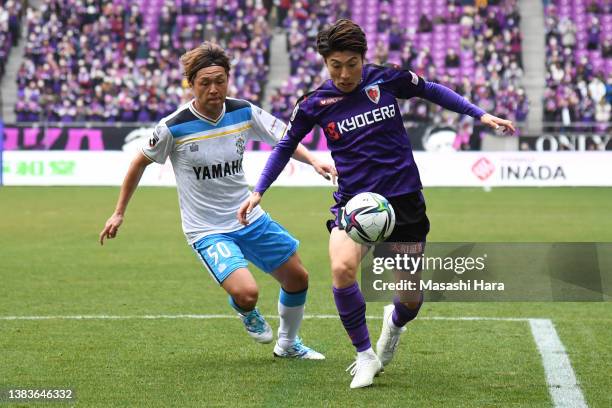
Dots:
(240, 144)
(373, 93)
(193, 147)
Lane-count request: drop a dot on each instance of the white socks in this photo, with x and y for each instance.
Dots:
(291, 312)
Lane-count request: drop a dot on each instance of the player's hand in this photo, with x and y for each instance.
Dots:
(494, 123)
(111, 228)
(327, 170)
(247, 206)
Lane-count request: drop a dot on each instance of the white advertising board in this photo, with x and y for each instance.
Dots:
(520, 169)
(473, 169)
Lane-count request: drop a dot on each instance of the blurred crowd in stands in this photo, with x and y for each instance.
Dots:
(579, 63)
(11, 12)
(92, 60)
(481, 43)
(491, 41)
(302, 23)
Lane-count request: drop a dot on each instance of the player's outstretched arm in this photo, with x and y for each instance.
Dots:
(327, 170)
(132, 178)
(288, 145)
(449, 99)
(495, 123)
(302, 154)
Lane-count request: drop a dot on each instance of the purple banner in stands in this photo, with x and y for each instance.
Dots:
(107, 137)
(22, 137)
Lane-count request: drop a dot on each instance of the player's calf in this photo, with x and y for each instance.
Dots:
(404, 312)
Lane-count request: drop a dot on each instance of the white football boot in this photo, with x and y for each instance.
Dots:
(389, 337)
(364, 369)
(257, 327)
(298, 350)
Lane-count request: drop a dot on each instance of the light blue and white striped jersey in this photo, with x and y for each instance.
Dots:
(207, 160)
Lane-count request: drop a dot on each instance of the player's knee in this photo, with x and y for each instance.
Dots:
(293, 276)
(247, 297)
(300, 277)
(343, 274)
(296, 280)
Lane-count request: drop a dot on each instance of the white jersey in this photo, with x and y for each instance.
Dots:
(207, 160)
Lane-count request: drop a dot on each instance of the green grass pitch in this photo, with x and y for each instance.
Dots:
(52, 265)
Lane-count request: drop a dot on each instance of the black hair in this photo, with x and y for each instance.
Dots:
(343, 35)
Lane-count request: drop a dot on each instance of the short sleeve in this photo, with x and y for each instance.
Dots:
(265, 127)
(159, 146)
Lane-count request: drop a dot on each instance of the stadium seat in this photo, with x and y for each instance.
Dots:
(119, 103)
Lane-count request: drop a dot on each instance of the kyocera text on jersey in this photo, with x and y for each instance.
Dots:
(366, 118)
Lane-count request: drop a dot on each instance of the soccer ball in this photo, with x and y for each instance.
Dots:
(368, 218)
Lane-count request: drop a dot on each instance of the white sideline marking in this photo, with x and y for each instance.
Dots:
(225, 316)
(562, 383)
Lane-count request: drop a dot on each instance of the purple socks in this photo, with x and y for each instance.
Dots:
(402, 314)
(351, 308)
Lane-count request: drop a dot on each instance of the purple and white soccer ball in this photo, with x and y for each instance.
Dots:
(368, 218)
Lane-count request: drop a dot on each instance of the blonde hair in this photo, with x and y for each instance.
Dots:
(205, 55)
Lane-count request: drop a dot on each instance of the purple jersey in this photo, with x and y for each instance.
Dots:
(365, 131)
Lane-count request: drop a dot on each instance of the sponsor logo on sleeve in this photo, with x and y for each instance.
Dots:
(153, 140)
(415, 78)
(274, 122)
